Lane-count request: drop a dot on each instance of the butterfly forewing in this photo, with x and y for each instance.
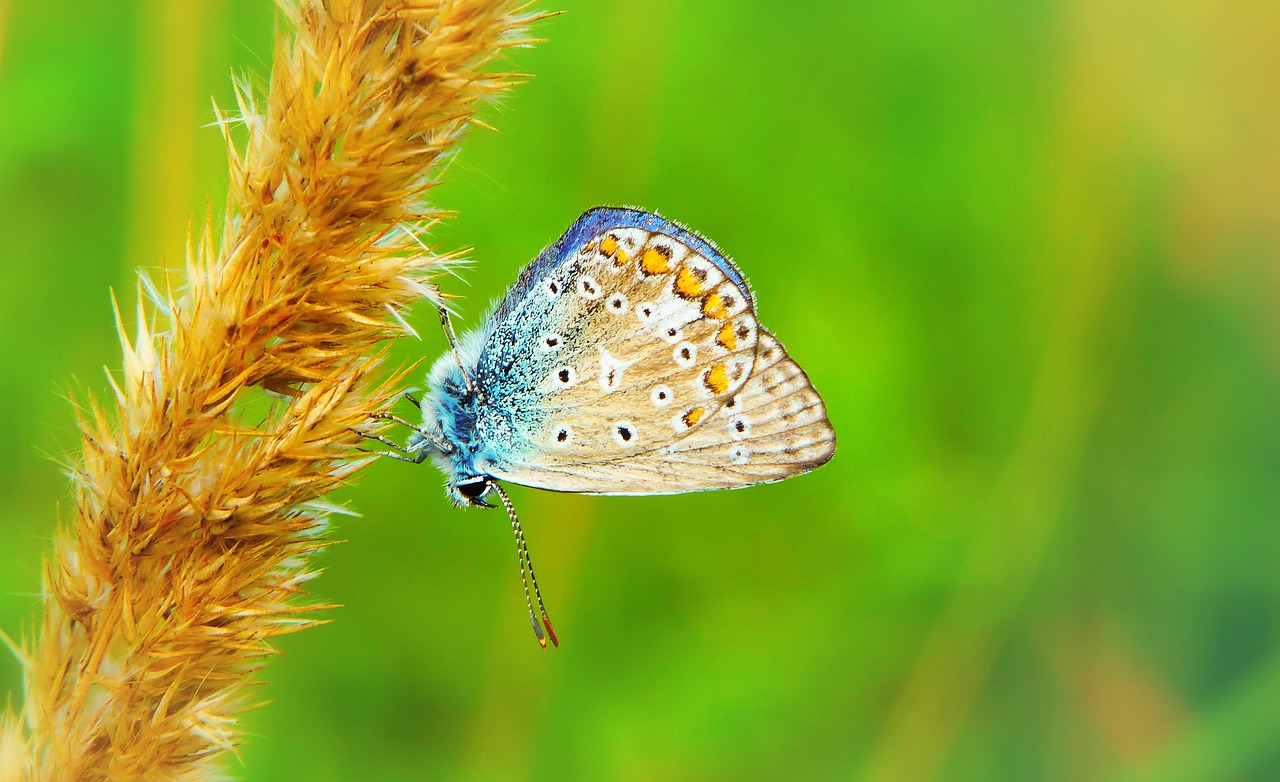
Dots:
(617, 361)
(634, 339)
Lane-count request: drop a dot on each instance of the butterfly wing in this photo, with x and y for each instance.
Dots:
(775, 427)
(627, 360)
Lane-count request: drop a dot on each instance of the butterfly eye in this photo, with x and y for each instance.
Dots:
(473, 488)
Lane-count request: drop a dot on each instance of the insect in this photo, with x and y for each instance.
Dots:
(626, 359)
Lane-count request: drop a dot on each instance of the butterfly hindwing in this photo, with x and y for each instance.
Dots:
(612, 361)
(775, 427)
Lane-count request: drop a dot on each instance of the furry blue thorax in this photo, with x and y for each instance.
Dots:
(451, 411)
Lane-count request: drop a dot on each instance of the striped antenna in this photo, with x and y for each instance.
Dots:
(526, 563)
(447, 324)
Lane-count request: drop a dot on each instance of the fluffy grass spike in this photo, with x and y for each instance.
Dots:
(192, 534)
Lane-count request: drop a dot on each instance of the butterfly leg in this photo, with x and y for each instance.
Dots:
(436, 441)
(416, 451)
(398, 451)
(522, 551)
(418, 459)
(410, 454)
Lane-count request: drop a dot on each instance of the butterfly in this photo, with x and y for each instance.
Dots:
(625, 359)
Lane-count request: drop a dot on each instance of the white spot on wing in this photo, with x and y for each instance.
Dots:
(617, 304)
(611, 370)
(739, 370)
(732, 298)
(685, 354)
(712, 272)
(588, 288)
(660, 396)
(672, 311)
(631, 239)
(677, 251)
(564, 376)
(561, 436)
(624, 434)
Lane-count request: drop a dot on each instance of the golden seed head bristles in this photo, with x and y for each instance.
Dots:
(193, 530)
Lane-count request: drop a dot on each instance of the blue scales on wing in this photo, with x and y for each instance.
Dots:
(627, 359)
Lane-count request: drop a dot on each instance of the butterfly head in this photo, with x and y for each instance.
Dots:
(449, 411)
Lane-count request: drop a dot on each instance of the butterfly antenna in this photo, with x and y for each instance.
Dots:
(526, 563)
(447, 324)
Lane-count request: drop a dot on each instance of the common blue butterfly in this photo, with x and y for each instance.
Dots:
(626, 359)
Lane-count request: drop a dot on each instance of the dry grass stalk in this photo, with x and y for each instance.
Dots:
(193, 530)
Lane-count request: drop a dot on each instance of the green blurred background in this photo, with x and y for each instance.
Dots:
(1027, 251)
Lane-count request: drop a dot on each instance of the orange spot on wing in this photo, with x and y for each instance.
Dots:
(620, 259)
(727, 339)
(716, 379)
(693, 416)
(714, 307)
(609, 246)
(655, 261)
(689, 283)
